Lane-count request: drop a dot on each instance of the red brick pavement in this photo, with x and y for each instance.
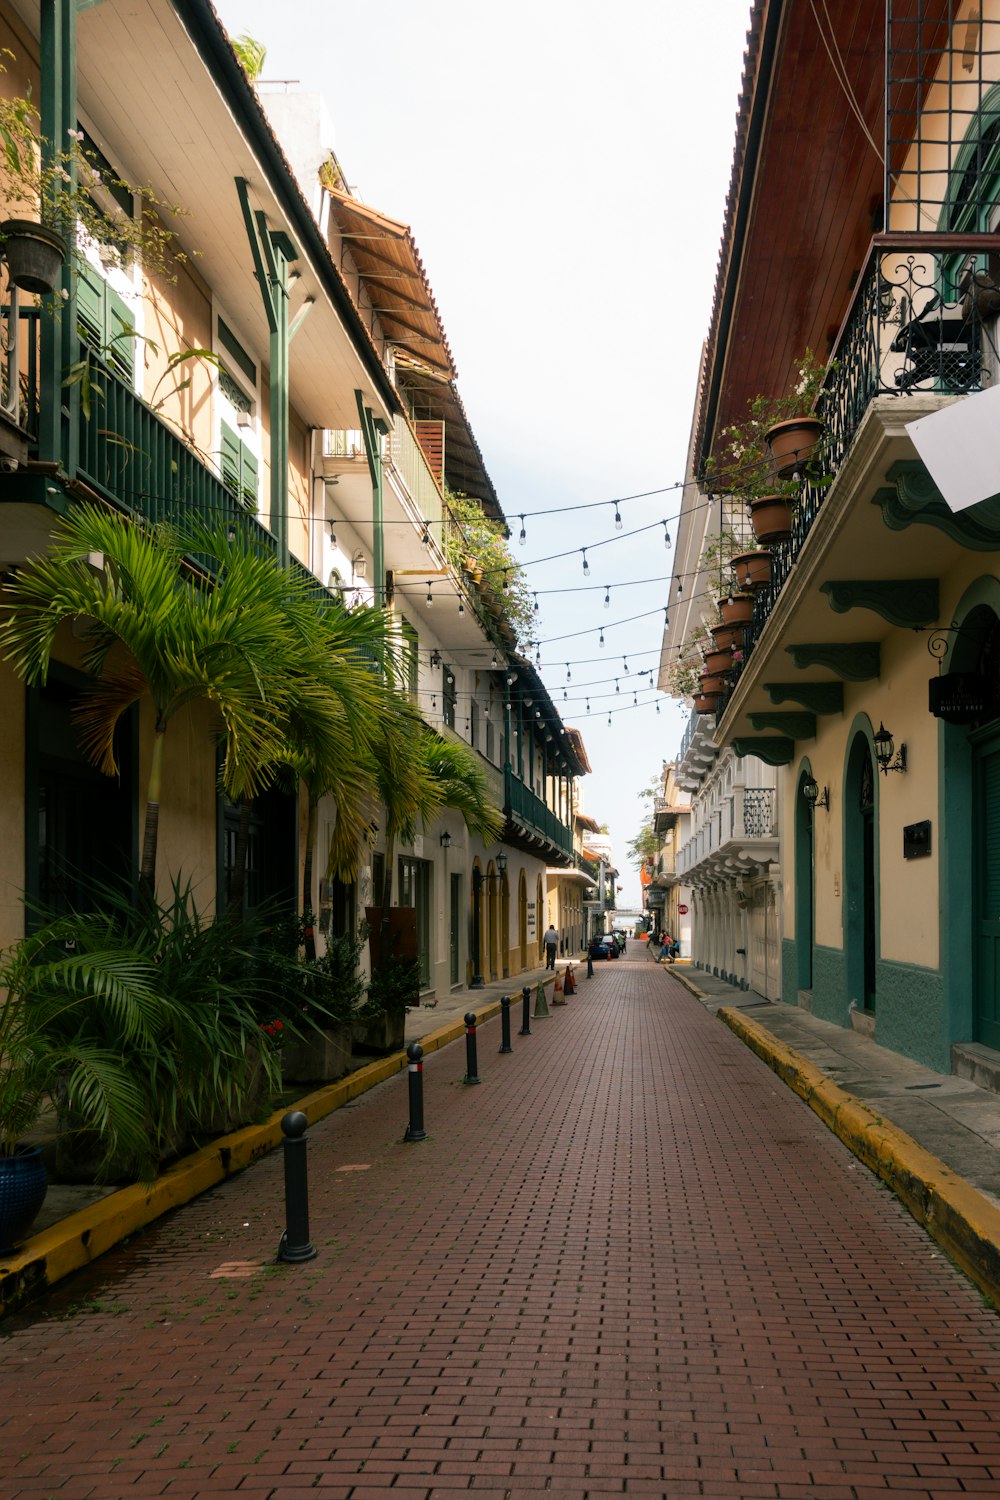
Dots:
(629, 1263)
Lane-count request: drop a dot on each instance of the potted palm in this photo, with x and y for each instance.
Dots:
(51, 995)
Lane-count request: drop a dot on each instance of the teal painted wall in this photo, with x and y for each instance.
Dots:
(912, 1016)
(830, 997)
(789, 971)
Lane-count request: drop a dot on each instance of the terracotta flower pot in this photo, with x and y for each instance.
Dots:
(706, 703)
(771, 518)
(713, 682)
(752, 569)
(719, 660)
(793, 444)
(737, 609)
(728, 636)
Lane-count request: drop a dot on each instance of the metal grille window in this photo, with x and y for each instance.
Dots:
(758, 812)
(449, 695)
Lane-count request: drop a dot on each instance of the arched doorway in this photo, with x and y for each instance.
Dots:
(504, 926)
(973, 819)
(805, 883)
(491, 921)
(861, 871)
(522, 918)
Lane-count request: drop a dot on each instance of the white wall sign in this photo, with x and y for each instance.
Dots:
(959, 448)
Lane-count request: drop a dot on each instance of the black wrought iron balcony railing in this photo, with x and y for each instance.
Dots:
(586, 866)
(915, 324)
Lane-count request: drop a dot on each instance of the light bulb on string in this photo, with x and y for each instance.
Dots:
(617, 688)
(565, 696)
(680, 587)
(609, 718)
(635, 699)
(430, 597)
(601, 641)
(461, 606)
(569, 674)
(586, 564)
(607, 596)
(618, 518)
(535, 597)
(524, 535)
(506, 581)
(657, 708)
(625, 660)
(588, 705)
(666, 535)
(426, 537)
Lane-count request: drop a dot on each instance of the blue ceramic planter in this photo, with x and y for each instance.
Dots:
(23, 1185)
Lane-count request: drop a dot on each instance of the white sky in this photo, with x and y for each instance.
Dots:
(563, 165)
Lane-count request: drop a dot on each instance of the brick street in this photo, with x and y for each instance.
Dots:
(630, 1262)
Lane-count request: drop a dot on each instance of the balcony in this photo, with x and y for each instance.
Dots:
(697, 753)
(534, 826)
(131, 458)
(736, 837)
(910, 341)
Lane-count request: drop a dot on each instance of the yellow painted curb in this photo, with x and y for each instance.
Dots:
(75, 1241)
(961, 1219)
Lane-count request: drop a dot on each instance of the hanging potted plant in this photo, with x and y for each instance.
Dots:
(727, 636)
(736, 609)
(771, 517)
(34, 254)
(752, 570)
(719, 660)
(713, 682)
(794, 432)
(706, 703)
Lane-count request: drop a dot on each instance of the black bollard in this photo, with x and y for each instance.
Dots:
(505, 1024)
(294, 1244)
(590, 967)
(415, 1130)
(526, 1022)
(471, 1069)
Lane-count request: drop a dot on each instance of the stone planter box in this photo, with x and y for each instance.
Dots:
(318, 1056)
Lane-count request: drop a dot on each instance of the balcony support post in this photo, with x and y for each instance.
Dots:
(59, 407)
(373, 430)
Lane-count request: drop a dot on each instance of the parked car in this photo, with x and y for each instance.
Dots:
(603, 946)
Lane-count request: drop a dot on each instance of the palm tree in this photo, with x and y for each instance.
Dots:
(418, 775)
(159, 630)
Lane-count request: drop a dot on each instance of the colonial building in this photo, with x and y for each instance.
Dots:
(284, 368)
(860, 226)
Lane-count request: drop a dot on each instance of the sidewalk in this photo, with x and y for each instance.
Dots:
(629, 1263)
(80, 1222)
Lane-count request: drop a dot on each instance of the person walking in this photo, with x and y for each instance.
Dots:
(551, 941)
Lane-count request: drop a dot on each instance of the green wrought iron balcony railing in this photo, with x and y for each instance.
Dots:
(521, 803)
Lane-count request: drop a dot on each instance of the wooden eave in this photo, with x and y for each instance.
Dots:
(387, 260)
(805, 199)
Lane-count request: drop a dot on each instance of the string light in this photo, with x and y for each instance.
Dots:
(607, 596)
(609, 718)
(536, 603)
(430, 597)
(617, 688)
(524, 535)
(569, 674)
(666, 535)
(506, 581)
(618, 517)
(435, 657)
(586, 564)
(461, 607)
(601, 641)
(625, 661)
(426, 538)
(588, 705)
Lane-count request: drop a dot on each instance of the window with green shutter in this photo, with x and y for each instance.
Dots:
(106, 324)
(410, 658)
(239, 469)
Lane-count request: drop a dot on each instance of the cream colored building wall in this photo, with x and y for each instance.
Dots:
(177, 318)
(909, 892)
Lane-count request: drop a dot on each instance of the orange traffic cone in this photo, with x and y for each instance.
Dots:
(558, 998)
(569, 983)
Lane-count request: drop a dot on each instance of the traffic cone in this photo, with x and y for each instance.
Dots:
(569, 982)
(558, 998)
(541, 1004)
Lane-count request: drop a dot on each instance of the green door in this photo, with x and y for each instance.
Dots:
(986, 823)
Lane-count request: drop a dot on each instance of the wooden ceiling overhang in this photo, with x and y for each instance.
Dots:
(806, 196)
(386, 258)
